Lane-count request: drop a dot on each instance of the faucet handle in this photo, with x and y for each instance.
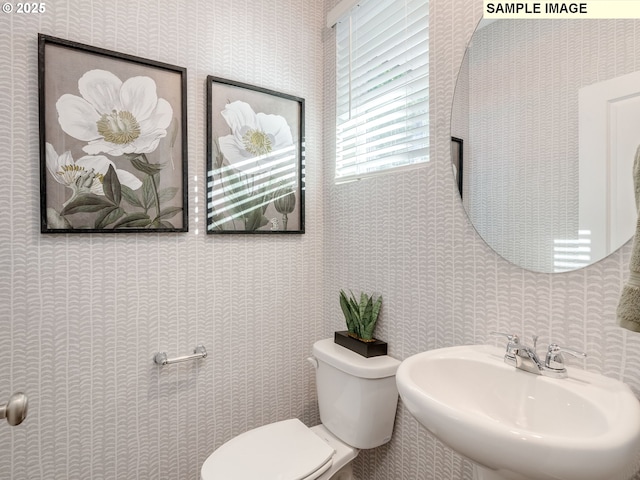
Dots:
(554, 361)
(512, 337)
(512, 347)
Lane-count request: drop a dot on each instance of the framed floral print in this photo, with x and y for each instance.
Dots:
(113, 141)
(255, 159)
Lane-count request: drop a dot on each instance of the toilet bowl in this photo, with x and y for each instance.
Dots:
(282, 450)
(357, 399)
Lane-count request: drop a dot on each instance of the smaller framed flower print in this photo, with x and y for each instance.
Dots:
(255, 159)
(113, 141)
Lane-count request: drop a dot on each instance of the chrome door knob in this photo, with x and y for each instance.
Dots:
(15, 410)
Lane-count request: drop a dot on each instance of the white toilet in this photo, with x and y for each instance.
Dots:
(357, 397)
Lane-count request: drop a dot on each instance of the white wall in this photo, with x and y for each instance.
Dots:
(407, 237)
(81, 316)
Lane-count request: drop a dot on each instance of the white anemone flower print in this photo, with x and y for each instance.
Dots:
(256, 140)
(255, 159)
(86, 174)
(115, 117)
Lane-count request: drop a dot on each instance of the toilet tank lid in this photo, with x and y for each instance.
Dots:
(352, 363)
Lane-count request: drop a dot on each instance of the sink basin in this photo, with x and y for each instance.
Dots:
(518, 425)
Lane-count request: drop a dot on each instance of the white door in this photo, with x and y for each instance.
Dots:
(609, 131)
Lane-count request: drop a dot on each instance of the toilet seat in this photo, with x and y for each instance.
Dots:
(286, 450)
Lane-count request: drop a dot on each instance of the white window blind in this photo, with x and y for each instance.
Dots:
(382, 96)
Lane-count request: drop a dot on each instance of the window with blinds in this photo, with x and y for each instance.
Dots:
(382, 96)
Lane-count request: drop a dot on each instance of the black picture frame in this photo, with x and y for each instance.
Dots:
(457, 161)
(255, 159)
(113, 141)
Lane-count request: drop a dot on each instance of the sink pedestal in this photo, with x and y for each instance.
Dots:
(484, 473)
(481, 473)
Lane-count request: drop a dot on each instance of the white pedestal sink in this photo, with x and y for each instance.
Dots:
(521, 426)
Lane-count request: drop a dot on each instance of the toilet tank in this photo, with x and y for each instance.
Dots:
(357, 396)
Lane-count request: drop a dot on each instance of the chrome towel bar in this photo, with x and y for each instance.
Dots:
(161, 357)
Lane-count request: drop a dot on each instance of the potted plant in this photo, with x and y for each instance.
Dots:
(361, 317)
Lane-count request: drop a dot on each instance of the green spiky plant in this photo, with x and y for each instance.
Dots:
(361, 316)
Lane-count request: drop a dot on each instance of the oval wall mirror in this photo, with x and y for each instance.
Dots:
(545, 125)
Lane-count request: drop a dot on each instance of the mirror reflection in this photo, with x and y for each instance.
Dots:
(545, 126)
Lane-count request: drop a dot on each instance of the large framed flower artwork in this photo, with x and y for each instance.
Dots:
(255, 159)
(113, 143)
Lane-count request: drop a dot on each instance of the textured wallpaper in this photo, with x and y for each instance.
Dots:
(82, 316)
(407, 237)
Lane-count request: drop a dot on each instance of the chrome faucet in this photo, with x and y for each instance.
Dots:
(525, 358)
